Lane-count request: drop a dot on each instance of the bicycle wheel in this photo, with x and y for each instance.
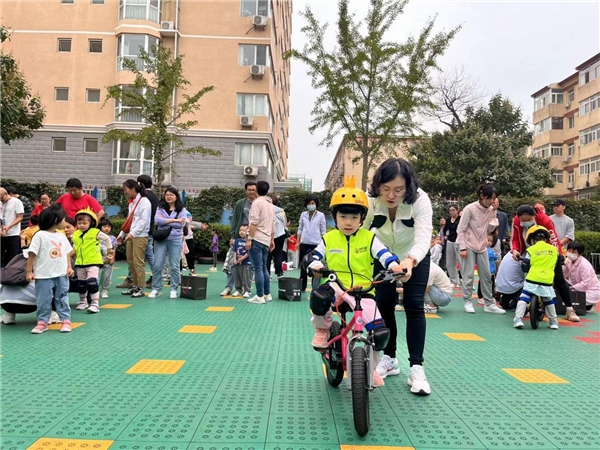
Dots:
(332, 358)
(534, 317)
(360, 391)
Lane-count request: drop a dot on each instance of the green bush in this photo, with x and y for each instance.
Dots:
(116, 197)
(591, 240)
(34, 190)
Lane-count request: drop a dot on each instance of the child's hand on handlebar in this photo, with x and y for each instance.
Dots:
(315, 266)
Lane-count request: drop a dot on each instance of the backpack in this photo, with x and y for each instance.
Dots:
(15, 272)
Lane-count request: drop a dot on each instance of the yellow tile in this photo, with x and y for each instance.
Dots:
(157, 366)
(121, 278)
(198, 329)
(432, 316)
(71, 444)
(325, 371)
(234, 298)
(464, 337)
(56, 326)
(373, 447)
(220, 308)
(540, 376)
(115, 306)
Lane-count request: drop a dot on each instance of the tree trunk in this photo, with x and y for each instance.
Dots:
(365, 168)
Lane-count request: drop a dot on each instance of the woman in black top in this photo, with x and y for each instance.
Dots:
(452, 254)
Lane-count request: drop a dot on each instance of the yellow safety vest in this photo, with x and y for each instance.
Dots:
(542, 257)
(87, 248)
(350, 254)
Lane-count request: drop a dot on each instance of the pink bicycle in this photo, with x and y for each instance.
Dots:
(354, 354)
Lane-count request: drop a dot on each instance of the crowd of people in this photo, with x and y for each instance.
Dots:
(69, 246)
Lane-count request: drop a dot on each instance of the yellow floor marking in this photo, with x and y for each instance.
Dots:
(156, 366)
(115, 306)
(432, 316)
(197, 329)
(373, 447)
(231, 297)
(325, 372)
(71, 444)
(220, 308)
(56, 326)
(464, 337)
(535, 376)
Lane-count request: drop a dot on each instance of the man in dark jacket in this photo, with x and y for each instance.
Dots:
(502, 227)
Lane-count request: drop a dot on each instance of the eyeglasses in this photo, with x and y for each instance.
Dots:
(397, 191)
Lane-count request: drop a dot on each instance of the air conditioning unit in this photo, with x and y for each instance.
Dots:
(259, 21)
(167, 28)
(257, 71)
(251, 171)
(246, 121)
(567, 159)
(568, 105)
(569, 185)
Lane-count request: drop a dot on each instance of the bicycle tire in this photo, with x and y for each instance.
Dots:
(332, 358)
(360, 390)
(534, 318)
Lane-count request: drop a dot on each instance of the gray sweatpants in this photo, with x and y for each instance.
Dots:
(106, 275)
(243, 278)
(467, 269)
(452, 257)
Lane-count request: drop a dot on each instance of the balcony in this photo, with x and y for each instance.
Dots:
(140, 10)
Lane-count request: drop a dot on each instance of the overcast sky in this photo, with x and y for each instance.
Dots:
(514, 48)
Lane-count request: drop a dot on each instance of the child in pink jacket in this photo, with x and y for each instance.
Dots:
(581, 275)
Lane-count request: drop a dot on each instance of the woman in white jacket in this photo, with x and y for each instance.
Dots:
(400, 214)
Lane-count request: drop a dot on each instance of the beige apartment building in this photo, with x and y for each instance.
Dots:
(567, 129)
(342, 164)
(71, 50)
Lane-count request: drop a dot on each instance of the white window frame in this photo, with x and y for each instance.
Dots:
(58, 42)
(57, 139)
(253, 149)
(572, 121)
(541, 152)
(541, 101)
(119, 108)
(589, 74)
(95, 40)
(556, 150)
(248, 13)
(87, 95)
(589, 135)
(267, 56)
(590, 165)
(152, 12)
(85, 142)
(589, 104)
(558, 177)
(557, 96)
(254, 112)
(571, 150)
(56, 89)
(571, 95)
(141, 159)
(571, 177)
(121, 49)
(543, 126)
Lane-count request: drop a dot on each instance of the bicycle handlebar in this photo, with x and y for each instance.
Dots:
(384, 276)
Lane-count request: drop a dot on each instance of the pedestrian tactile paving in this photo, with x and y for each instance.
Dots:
(318, 429)
(568, 434)
(157, 366)
(92, 425)
(232, 428)
(57, 326)
(440, 433)
(184, 402)
(201, 329)
(509, 434)
(116, 306)
(165, 427)
(74, 444)
(464, 337)
(535, 376)
(384, 431)
(220, 308)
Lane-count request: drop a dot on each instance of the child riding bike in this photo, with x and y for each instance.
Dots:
(539, 262)
(349, 251)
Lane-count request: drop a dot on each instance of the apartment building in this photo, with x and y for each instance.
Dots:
(567, 129)
(71, 50)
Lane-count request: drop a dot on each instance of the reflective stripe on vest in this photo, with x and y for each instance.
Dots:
(350, 254)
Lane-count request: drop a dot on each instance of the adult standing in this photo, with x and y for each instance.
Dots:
(452, 255)
(565, 226)
(136, 239)
(311, 228)
(503, 236)
(45, 202)
(477, 221)
(400, 215)
(27, 208)
(526, 217)
(261, 240)
(170, 218)
(280, 225)
(442, 235)
(76, 200)
(11, 213)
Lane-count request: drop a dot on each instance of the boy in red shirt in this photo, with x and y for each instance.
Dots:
(292, 242)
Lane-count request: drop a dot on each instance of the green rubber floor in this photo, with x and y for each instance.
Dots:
(247, 378)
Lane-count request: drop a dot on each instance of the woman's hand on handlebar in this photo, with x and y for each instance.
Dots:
(406, 265)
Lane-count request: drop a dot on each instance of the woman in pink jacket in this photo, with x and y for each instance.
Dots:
(581, 275)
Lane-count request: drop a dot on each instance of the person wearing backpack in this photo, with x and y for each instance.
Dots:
(280, 237)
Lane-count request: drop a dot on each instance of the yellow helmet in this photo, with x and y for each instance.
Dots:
(90, 213)
(537, 229)
(349, 195)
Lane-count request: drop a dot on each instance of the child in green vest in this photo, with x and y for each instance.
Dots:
(88, 258)
(350, 251)
(539, 262)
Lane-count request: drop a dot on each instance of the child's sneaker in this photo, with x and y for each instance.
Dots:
(237, 294)
(256, 299)
(104, 293)
(40, 327)
(54, 318)
(268, 298)
(418, 381)
(377, 380)
(518, 323)
(66, 326)
(8, 318)
(481, 301)
(246, 294)
(94, 308)
(553, 324)
(387, 367)
(173, 294)
(430, 309)
(82, 305)
(321, 338)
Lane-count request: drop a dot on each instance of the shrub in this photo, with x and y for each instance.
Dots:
(34, 190)
(591, 240)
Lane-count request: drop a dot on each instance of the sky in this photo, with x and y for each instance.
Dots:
(509, 47)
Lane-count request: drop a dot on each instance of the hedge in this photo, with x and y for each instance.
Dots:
(34, 190)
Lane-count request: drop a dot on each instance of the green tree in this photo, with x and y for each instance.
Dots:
(490, 145)
(21, 112)
(371, 88)
(150, 97)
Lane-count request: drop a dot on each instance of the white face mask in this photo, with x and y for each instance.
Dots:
(573, 256)
(528, 224)
(311, 207)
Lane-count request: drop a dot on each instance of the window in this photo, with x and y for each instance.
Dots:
(541, 152)
(130, 158)
(557, 177)
(252, 105)
(123, 112)
(557, 123)
(59, 144)
(95, 45)
(571, 121)
(589, 104)
(128, 46)
(92, 95)
(250, 55)
(250, 155)
(61, 94)
(571, 178)
(557, 96)
(571, 150)
(90, 145)
(589, 135)
(64, 45)
(590, 165)
(140, 10)
(589, 74)
(255, 7)
(556, 150)
(542, 127)
(572, 95)
(67, 2)
(97, 2)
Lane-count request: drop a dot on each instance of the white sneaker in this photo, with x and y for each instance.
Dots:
(212, 269)
(256, 299)
(173, 294)
(518, 323)
(54, 318)
(494, 309)
(237, 294)
(82, 305)
(154, 293)
(387, 367)
(469, 307)
(246, 294)
(268, 298)
(430, 309)
(418, 381)
(94, 308)
(553, 324)
(104, 293)
(225, 292)
(8, 318)
(399, 308)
